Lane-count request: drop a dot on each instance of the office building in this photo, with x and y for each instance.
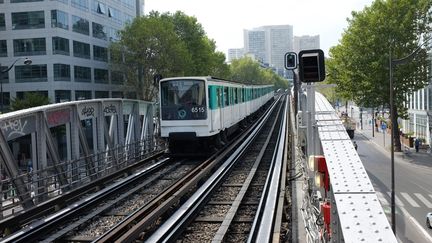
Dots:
(67, 42)
(269, 44)
(235, 53)
(254, 43)
(306, 42)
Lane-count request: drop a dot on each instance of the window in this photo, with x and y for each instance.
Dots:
(24, 1)
(63, 1)
(21, 95)
(80, 4)
(28, 20)
(129, 3)
(127, 18)
(99, 31)
(113, 34)
(117, 94)
(226, 97)
(117, 77)
(5, 76)
(430, 98)
(6, 99)
(82, 74)
(98, 7)
(80, 25)
(29, 47)
(101, 94)
(81, 49)
(60, 46)
(83, 95)
(115, 15)
(31, 73)
(100, 53)
(3, 48)
(59, 19)
(62, 96)
(61, 72)
(101, 75)
(186, 96)
(2, 21)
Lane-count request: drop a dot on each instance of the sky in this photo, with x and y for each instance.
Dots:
(225, 20)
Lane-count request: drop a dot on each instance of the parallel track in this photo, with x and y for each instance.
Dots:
(98, 218)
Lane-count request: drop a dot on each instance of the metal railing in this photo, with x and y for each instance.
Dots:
(44, 185)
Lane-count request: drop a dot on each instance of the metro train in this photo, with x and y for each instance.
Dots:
(199, 113)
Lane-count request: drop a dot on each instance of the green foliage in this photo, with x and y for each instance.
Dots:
(31, 99)
(166, 44)
(246, 70)
(359, 64)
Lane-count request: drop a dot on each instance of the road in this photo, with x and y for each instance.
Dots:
(413, 187)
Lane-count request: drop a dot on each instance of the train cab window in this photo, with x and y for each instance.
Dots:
(226, 97)
(183, 99)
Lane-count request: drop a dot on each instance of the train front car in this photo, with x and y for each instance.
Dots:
(183, 113)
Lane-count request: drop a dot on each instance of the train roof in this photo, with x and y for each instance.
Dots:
(215, 79)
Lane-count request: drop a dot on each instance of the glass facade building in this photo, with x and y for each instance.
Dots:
(420, 115)
(67, 41)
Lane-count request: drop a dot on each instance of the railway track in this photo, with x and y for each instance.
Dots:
(230, 207)
(132, 210)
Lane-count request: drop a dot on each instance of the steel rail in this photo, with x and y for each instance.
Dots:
(172, 227)
(224, 228)
(147, 216)
(262, 228)
(48, 206)
(34, 230)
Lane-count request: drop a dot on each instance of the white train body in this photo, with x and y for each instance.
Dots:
(200, 107)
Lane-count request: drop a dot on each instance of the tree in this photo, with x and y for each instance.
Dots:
(205, 59)
(359, 64)
(31, 99)
(165, 44)
(149, 46)
(247, 70)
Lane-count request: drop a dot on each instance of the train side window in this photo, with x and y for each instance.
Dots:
(235, 95)
(213, 98)
(226, 97)
(219, 96)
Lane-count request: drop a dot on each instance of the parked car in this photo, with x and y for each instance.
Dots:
(429, 220)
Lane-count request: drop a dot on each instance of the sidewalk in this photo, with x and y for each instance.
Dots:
(409, 155)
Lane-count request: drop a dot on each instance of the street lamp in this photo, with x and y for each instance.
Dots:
(27, 61)
(394, 63)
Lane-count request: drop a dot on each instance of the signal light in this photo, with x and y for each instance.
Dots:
(290, 60)
(312, 67)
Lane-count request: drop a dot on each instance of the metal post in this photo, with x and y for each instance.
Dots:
(310, 119)
(296, 88)
(373, 122)
(393, 216)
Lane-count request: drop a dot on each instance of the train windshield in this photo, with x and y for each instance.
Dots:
(183, 100)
